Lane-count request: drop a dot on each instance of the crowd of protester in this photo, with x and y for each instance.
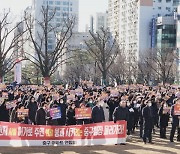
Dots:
(141, 106)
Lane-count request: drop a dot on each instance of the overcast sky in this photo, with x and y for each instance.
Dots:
(86, 8)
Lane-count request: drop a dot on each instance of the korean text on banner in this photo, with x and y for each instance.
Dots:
(107, 133)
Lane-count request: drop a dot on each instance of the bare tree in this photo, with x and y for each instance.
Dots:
(162, 61)
(118, 71)
(48, 60)
(80, 66)
(8, 43)
(104, 49)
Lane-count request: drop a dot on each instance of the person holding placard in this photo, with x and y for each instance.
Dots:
(20, 117)
(175, 113)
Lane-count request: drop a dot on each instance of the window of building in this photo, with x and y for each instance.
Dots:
(51, 13)
(58, 14)
(58, 3)
(58, 19)
(50, 47)
(71, 9)
(58, 8)
(65, 3)
(159, 8)
(168, 1)
(159, 1)
(51, 2)
(168, 9)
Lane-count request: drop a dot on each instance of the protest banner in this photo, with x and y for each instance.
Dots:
(55, 113)
(21, 113)
(83, 113)
(177, 108)
(11, 104)
(18, 135)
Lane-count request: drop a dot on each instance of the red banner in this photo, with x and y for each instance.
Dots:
(13, 134)
(83, 113)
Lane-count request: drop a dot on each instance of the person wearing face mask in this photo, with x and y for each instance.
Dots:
(164, 119)
(40, 117)
(175, 123)
(32, 106)
(90, 103)
(98, 112)
(112, 104)
(148, 122)
(63, 107)
(71, 120)
(143, 104)
(136, 115)
(130, 122)
(121, 112)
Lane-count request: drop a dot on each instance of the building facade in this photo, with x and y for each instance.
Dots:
(166, 32)
(134, 21)
(63, 9)
(101, 21)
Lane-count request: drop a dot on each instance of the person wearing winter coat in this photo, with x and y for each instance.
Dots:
(63, 107)
(32, 106)
(98, 113)
(71, 120)
(163, 119)
(40, 117)
(130, 122)
(175, 123)
(121, 112)
(112, 104)
(148, 124)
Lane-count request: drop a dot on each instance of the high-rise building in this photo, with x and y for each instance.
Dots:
(135, 23)
(62, 8)
(101, 21)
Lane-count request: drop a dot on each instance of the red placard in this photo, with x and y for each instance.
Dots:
(83, 113)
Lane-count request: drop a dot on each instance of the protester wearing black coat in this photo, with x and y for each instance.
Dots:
(148, 124)
(4, 113)
(131, 121)
(98, 114)
(175, 125)
(32, 106)
(163, 121)
(112, 105)
(41, 115)
(63, 107)
(121, 112)
(141, 118)
(71, 120)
